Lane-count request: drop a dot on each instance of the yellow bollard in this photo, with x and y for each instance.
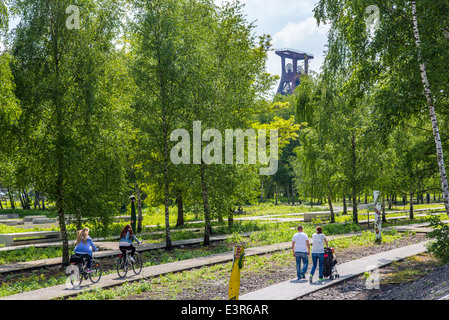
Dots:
(234, 282)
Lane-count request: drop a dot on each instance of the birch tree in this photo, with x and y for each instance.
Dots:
(66, 127)
(393, 60)
(430, 103)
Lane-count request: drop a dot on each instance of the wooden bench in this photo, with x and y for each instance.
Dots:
(16, 239)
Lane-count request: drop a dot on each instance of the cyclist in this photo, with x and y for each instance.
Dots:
(84, 246)
(126, 241)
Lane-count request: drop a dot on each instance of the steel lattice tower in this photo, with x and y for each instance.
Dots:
(291, 71)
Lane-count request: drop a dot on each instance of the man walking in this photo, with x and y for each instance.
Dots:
(301, 251)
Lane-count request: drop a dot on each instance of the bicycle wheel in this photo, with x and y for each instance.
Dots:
(122, 266)
(137, 264)
(97, 271)
(76, 275)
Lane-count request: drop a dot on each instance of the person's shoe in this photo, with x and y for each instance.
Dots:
(320, 279)
(89, 271)
(132, 259)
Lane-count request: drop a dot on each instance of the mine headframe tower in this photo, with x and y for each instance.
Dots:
(291, 70)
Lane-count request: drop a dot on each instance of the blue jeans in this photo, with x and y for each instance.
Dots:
(317, 257)
(301, 256)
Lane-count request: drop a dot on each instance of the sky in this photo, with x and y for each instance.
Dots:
(291, 25)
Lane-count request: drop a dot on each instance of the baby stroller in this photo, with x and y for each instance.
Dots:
(329, 269)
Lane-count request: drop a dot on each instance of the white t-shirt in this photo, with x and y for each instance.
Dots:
(318, 243)
(300, 239)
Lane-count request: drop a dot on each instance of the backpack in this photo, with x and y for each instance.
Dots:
(76, 258)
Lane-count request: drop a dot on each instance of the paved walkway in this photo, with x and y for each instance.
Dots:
(294, 289)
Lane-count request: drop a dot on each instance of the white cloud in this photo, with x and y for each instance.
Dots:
(303, 36)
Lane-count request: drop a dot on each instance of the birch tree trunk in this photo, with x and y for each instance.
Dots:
(377, 216)
(168, 242)
(329, 199)
(429, 98)
(179, 203)
(293, 193)
(139, 208)
(205, 193)
(355, 217)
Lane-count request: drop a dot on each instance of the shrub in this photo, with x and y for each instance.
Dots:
(440, 232)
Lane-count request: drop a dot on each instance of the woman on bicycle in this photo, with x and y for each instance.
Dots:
(84, 246)
(126, 241)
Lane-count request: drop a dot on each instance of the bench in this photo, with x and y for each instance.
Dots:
(9, 216)
(43, 220)
(15, 239)
(31, 218)
(310, 216)
(9, 222)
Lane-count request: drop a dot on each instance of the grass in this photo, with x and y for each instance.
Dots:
(366, 238)
(410, 269)
(263, 209)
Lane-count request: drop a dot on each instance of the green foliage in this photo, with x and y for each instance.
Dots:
(9, 111)
(70, 137)
(440, 233)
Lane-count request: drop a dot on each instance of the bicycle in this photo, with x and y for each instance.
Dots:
(78, 271)
(124, 263)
